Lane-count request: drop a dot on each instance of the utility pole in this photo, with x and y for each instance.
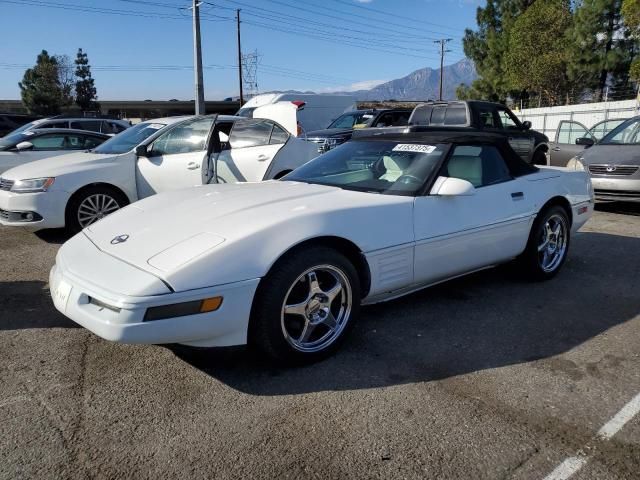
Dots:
(239, 57)
(442, 43)
(197, 59)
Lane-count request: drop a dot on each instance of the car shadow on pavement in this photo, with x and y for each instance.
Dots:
(56, 236)
(29, 305)
(486, 320)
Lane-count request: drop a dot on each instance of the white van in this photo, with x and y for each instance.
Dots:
(318, 111)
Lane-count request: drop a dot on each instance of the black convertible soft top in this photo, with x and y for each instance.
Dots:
(455, 136)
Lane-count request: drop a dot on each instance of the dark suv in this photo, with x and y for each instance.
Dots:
(341, 129)
(531, 145)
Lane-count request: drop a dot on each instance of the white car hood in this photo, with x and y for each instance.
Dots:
(241, 227)
(55, 166)
(162, 221)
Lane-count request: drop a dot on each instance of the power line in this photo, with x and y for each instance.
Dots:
(375, 28)
(108, 11)
(389, 14)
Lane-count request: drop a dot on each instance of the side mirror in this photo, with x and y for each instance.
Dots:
(141, 151)
(24, 146)
(586, 141)
(452, 187)
(526, 124)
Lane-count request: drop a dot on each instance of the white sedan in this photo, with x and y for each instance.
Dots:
(21, 148)
(79, 189)
(285, 265)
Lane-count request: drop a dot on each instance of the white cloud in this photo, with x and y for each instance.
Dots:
(364, 1)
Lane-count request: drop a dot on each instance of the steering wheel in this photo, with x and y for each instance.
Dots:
(409, 179)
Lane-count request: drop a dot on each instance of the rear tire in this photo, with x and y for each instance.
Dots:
(306, 306)
(548, 244)
(90, 205)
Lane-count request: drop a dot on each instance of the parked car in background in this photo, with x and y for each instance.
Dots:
(491, 117)
(318, 111)
(614, 163)
(11, 121)
(572, 137)
(108, 126)
(341, 129)
(24, 147)
(285, 265)
(77, 190)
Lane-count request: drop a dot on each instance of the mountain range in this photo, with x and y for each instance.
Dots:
(423, 84)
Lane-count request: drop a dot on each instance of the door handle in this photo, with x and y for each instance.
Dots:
(262, 157)
(193, 166)
(556, 149)
(517, 195)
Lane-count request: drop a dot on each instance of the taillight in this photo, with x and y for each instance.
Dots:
(299, 103)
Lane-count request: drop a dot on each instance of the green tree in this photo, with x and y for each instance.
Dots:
(40, 87)
(487, 47)
(66, 78)
(631, 16)
(599, 45)
(536, 56)
(86, 93)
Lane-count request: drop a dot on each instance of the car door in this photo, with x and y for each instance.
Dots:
(564, 147)
(521, 140)
(175, 159)
(459, 234)
(248, 153)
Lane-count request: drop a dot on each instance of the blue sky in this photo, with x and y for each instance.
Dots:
(142, 49)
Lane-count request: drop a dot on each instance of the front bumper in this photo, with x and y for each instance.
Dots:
(47, 209)
(119, 317)
(616, 189)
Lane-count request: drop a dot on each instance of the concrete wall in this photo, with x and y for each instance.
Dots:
(546, 119)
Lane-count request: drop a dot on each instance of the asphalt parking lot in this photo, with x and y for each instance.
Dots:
(481, 377)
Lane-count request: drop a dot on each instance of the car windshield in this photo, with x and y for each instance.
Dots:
(626, 133)
(352, 120)
(24, 127)
(246, 112)
(373, 166)
(130, 138)
(12, 139)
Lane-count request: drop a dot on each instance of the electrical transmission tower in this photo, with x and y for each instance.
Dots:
(250, 73)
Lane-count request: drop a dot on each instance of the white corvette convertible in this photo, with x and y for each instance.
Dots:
(284, 265)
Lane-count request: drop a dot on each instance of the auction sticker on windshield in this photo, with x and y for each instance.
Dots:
(412, 147)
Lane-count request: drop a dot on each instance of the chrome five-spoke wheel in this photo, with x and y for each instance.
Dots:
(95, 207)
(316, 308)
(552, 245)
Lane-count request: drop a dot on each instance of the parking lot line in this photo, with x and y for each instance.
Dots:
(572, 464)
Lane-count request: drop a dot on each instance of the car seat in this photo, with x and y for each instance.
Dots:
(467, 168)
(395, 167)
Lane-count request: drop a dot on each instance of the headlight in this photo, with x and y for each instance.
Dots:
(32, 185)
(576, 164)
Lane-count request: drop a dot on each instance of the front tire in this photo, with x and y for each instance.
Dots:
(90, 205)
(306, 306)
(548, 244)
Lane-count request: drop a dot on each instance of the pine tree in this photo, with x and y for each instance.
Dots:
(488, 45)
(631, 16)
(535, 62)
(599, 45)
(40, 87)
(86, 93)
